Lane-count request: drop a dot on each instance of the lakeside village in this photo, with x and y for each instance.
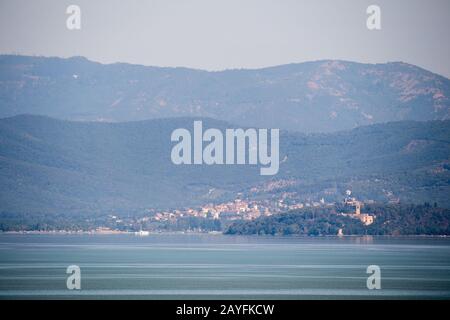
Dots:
(228, 212)
(208, 218)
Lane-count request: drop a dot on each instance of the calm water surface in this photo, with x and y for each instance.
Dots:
(222, 267)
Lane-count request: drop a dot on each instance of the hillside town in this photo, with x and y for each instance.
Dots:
(239, 209)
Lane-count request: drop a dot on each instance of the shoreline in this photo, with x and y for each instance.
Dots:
(112, 232)
(155, 233)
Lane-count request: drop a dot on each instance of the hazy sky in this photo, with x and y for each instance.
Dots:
(222, 34)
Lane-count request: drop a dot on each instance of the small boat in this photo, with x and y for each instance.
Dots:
(142, 233)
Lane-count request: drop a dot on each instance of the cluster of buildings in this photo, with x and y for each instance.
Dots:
(365, 218)
(232, 210)
(240, 209)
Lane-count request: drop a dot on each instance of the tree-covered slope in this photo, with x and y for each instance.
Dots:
(49, 165)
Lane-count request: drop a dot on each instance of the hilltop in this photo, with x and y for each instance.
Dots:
(319, 96)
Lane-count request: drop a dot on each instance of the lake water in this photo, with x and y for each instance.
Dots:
(222, 267)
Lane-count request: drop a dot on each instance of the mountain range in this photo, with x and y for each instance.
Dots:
(80, 136)
(320, 96)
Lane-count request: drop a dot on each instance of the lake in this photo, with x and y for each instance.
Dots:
(187, 266)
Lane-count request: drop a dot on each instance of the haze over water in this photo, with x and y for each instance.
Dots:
(222, 267)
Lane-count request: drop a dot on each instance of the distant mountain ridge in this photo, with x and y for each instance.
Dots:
(320, 96)
(54, 166)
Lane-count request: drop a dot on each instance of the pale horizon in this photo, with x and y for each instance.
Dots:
(215, 35)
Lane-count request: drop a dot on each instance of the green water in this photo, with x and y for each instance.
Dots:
(222, 267)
